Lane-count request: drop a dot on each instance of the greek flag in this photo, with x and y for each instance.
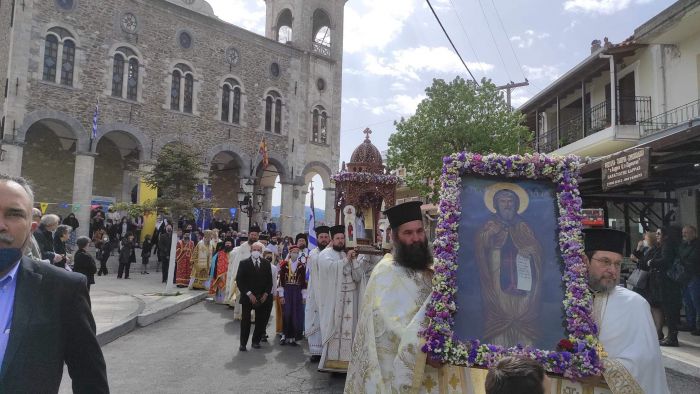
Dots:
(312, 223)
(95, 117)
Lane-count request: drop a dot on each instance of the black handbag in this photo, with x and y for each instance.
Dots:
(678, 272)
(639, 279)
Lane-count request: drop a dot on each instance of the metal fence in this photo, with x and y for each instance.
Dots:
(630, 110)
(324, 50)
(668, 119)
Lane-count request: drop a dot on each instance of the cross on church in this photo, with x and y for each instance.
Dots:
(367, 132)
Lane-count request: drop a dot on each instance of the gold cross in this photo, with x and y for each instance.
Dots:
(429, 383)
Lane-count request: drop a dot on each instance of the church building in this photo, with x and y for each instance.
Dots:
(170, 72)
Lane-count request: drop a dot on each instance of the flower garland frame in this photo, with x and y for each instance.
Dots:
(581, 355)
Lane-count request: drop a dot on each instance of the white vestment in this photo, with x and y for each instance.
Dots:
(338, 307)
(237, 255)
(626, 331)
(312, 320)
(362, 270)
(386, 353)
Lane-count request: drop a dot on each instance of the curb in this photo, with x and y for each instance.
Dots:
(146, 319)
(680, 366)
(140, 319)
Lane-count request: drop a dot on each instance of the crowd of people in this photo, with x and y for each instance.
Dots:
(669, 278)
(360, 314)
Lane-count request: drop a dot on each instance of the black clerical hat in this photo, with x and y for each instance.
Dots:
(254, 229)
(605, 239)
(265, 236)
(322, 230)
(300, 235)
(339, 229)
(230, 239)
(404, 213)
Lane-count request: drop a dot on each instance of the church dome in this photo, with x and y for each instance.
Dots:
(366, 157)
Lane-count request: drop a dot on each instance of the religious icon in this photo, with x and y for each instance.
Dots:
(350, 217)
(382, 234)
(509, 266)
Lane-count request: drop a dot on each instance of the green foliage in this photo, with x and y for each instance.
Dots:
(455, 116)
(175, 175)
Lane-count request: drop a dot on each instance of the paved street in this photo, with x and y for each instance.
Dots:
(196, 351)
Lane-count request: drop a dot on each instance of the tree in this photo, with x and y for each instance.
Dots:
(455, 116)
(175, 176)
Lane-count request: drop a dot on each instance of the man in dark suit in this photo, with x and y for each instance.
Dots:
(45, 314)
(254, 279)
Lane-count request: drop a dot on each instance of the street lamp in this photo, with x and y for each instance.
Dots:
(245, 201)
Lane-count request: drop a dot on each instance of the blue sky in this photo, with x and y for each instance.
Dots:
(394, 48)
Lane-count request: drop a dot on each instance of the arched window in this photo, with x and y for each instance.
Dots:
(125, 74)
(284, 26)
(50, 58)
(319, 125)
(231, 101)
(182, 92)
(322, 33)
(59, 49)
(273, 112)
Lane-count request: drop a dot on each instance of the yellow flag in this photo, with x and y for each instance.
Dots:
(43, 206)
(215, 210)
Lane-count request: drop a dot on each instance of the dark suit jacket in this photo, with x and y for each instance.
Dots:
(52, 324)
(84, 264)
(45, 241)
(257, 281)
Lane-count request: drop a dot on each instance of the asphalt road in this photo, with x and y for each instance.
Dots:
(196, 351)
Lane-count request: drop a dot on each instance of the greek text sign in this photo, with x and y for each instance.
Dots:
(626, 168)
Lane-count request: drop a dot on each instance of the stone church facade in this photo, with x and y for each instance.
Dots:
(170, 71)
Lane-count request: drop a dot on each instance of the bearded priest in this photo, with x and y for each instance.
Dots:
(338, 308)
(386, 352)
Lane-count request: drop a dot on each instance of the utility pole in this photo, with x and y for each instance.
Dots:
(510, 86)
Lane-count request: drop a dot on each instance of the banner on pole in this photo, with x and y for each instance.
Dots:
(43, 206)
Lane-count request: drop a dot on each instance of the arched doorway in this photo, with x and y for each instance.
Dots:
(225, 180)
(48, 162)
(116, 166)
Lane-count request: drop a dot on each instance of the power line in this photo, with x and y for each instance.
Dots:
(469, 41)
(500, 55)
(498, 15)
(450, 40)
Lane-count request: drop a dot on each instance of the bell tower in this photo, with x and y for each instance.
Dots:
(311, 25)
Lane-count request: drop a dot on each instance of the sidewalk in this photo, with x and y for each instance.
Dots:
(120, 305)
(684, 359)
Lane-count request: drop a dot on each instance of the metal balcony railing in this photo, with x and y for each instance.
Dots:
(630, 110)
(668, 119)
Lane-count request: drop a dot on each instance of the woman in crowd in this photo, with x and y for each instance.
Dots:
(145, 253)
(83, 262)
(648, 250)
(60, 237)
(668, 290)
(71, 221)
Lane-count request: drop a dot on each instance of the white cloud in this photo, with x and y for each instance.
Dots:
(528, 38)
(406, 64)
(399, 105)
(247, 14)
(605, 7)
(544, 72)
(398, 86)
(371, 24)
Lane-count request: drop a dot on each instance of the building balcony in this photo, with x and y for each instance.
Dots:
(656, 125)
(593, 134)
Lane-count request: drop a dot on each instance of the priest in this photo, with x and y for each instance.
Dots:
(219, 269)
(201, 257)
(632, 357)
(386, 352)
(339, 309)
(312, 321)
(239, 254)
(183, 259)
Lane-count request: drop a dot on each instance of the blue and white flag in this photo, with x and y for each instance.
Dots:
(312, 223)
(95, 117)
